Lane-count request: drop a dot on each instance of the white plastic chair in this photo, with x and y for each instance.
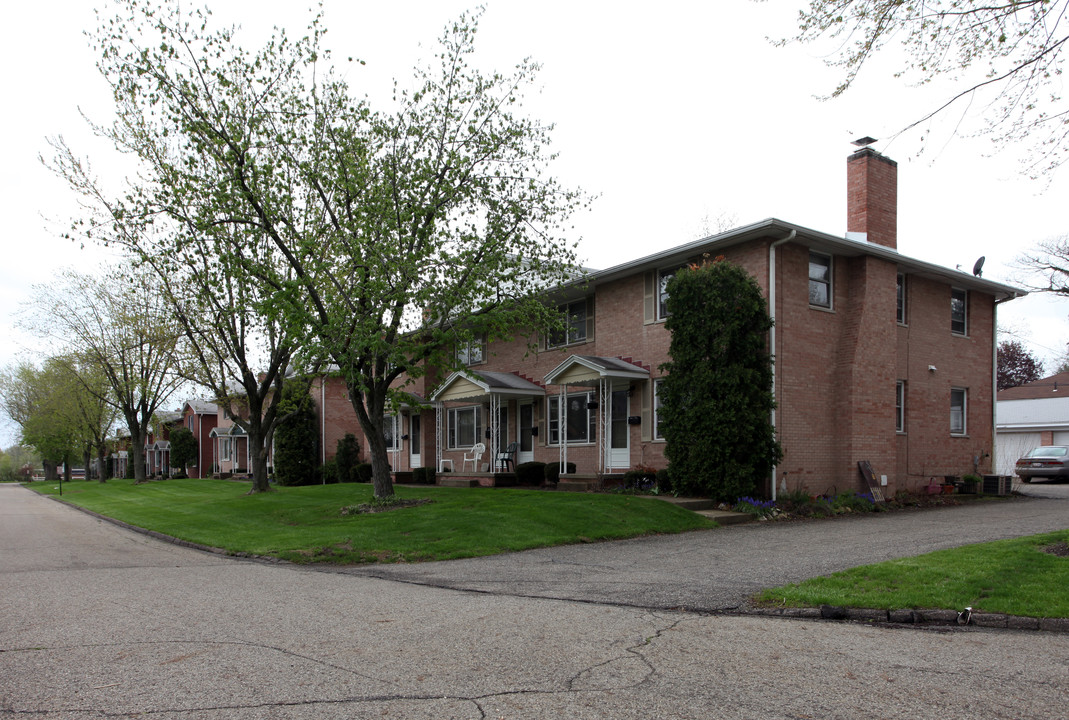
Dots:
(473, 457)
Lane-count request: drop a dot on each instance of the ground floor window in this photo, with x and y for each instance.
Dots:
(658, 431)
(957, 411)
(465, 426)
(389, 432)
(579, 419)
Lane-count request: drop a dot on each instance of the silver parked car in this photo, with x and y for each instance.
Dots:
(1048, 461)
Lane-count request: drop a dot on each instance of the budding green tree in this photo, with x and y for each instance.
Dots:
(389, 234)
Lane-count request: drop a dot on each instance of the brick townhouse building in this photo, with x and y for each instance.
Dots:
(201, 417)
(878, 357)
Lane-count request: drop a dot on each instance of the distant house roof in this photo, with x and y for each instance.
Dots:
(1055, 386)
(202, 407)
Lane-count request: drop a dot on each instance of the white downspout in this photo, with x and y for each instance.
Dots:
(323, 418)
(772, 332)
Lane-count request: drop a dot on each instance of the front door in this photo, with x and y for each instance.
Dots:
(414, 441)
(619, 432)
(525, 433)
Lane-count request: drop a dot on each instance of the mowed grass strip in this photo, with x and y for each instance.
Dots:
(305, 524)
(1024, 576)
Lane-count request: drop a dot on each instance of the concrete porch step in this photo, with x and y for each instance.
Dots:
(726, 517)
(457, 482)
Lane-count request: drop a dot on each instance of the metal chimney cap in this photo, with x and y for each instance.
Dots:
(862, 142)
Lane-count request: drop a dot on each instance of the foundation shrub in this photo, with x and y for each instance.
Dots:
(362, 473)
(530, 473)
(552, 471)
(424, 476)
(328, 473)
(347, 457)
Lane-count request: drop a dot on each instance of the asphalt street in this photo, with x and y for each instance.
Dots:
(99, 622)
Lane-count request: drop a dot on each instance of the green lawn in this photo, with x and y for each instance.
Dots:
(305, 524)
(1016, 577)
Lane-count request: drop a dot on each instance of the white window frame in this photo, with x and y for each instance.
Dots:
(959, 412)
(224, 449)
(664, 275)
(453, 426)
(900, 407)
(574, 331)
(553, 418)
(829, 283)
(471, 351)
(657, 434)
(964, 294)
(900, 299)
(390, 431)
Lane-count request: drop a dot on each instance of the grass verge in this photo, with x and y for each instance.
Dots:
(306, 524)
(1024, 576)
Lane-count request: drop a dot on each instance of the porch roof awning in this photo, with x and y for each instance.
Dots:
(469, 384)
(161, 445)
(589, 369)
(232, 431)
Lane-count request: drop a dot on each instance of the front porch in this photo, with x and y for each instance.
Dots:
(568, 483)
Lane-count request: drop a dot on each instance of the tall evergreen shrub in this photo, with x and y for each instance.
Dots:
(296, 439)
(717, 396)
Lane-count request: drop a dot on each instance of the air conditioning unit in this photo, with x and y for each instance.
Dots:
(998, 484)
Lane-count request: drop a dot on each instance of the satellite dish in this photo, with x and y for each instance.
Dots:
(978, 268)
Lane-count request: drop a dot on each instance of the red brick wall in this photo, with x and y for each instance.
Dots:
(872, 197)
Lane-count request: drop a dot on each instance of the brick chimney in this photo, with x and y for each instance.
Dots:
(872, 197)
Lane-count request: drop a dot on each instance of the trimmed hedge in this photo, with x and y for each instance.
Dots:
(424, 476)
(362, 473)
(552, 471)
(531, 473)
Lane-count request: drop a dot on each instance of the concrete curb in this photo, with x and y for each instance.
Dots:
(927, 618)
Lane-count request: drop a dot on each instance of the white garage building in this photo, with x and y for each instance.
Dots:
(1029, 416)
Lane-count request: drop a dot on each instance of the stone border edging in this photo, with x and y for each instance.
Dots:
(930, 618)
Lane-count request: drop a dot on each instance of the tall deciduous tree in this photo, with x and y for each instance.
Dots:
(717, 394)
(123, 328)
(392, 233)
(1018, 45)
(1016, 366)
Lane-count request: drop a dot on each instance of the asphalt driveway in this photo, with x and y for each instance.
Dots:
(719, 570)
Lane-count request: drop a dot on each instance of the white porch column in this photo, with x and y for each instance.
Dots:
(562, 429)
(438, 436)
(605, 426)
(495, 429)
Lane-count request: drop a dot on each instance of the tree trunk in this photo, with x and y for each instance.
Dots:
(66, 469)
(102, 463)
(50, 470)
(371, 422)
(137, 456)
(87, 459)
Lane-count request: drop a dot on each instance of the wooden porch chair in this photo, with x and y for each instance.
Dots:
(473, 457)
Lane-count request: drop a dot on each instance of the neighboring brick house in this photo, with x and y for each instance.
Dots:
(879, 357)
(201, 417)
(158, 443)
(1031, 415)
(410, 446)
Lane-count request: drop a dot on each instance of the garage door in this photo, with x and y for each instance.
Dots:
(1012, 446)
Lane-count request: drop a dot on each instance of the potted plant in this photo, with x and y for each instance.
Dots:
(970, 483)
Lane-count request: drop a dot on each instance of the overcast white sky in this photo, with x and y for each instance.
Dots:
(669, 115)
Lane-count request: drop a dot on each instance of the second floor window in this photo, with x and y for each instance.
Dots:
(900, 299)
(959, 311)
(471, 352)
(574, 331)
(819, 280)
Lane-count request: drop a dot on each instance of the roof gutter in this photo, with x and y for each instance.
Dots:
(772, 333)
